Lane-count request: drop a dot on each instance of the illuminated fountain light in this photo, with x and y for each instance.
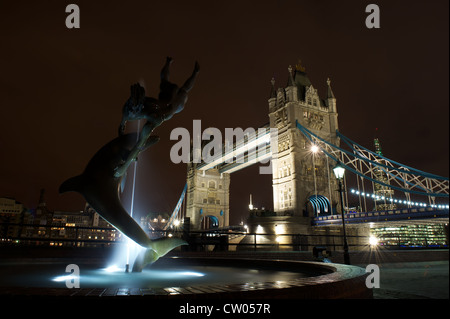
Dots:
(189, 273)
(124, 253)
(113, 268)
(65, 278)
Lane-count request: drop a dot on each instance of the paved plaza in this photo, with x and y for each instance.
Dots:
(413, 280)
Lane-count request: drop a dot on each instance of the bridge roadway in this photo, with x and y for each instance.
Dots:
(245, 152)
(404, 215)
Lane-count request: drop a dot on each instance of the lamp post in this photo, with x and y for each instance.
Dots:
(339, 172)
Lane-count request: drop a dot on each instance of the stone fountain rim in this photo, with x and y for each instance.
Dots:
(339, 281)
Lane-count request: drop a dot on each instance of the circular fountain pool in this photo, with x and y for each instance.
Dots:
(187, 277)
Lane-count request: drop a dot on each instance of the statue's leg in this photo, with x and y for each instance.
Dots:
(165, 70)
(189, 84)
(166, 89)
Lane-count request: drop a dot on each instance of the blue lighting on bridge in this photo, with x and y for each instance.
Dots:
(398, 201)
(383, 216)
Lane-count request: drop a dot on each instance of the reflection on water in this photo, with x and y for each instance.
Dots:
(53, 274)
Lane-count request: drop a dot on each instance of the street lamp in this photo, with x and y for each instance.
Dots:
(314, 149)
(339, 171)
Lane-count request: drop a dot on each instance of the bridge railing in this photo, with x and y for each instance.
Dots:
(384, 215)
(58, 235)
(242, 241)
(78, 236)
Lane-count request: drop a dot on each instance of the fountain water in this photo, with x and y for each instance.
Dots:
(129, 241)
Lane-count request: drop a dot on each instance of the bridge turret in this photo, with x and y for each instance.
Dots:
(302, 187)
(207, 198)
(291, 89)
(273, 97)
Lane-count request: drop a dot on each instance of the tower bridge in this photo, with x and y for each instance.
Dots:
(302, 145)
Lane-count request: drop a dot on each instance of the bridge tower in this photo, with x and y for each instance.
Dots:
(207, 198)
(303, 181)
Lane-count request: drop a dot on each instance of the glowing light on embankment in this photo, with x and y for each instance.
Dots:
(373, 241)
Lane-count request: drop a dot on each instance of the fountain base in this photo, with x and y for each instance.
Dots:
(193, 278)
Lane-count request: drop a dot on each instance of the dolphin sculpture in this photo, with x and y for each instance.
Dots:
(100, 187)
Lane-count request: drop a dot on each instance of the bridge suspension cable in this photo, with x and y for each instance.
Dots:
(176, 210)
(368, 164)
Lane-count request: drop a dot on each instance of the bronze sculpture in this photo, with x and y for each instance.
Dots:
(171, 100)
(100, 182)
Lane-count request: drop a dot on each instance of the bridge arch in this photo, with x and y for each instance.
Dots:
(209, 222)
(319, 205)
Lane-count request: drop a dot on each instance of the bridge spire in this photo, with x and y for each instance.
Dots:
(273, 96)
(330, 94)
(291, 77)
(291, 90)
(330, 100)
(273, 91)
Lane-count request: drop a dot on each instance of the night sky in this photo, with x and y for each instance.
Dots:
(62, 90)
